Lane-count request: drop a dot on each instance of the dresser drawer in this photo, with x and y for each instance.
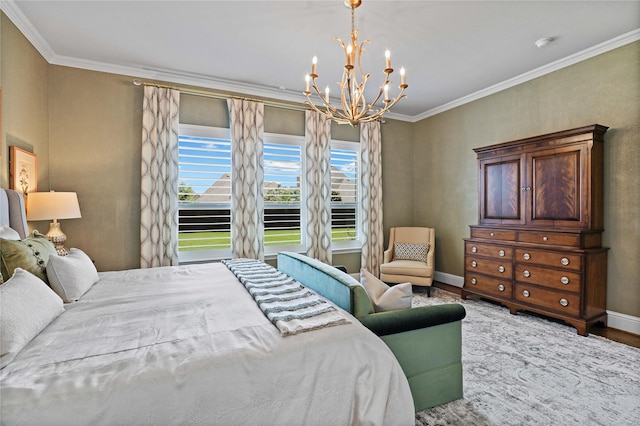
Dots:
(488, 250)
(568, 304)
(489, 285)
(498, 268)
(549, 258)
(493, 234)
(553, 278)
(549, 238)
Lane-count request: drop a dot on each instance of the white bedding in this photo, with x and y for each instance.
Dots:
(188, 345)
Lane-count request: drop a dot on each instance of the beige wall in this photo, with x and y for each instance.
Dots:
(85, 127)
(95, 136)
(25, 91)
(603, 90)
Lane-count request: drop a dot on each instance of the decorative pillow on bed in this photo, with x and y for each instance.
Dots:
(30, 254)
(9, 233)
(27, 307)
(408, 251)
(383, 297)
(6, 233)
(72, 275)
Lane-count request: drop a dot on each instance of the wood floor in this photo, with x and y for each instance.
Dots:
(616, 335)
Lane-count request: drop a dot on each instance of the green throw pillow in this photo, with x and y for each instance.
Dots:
(30, 254)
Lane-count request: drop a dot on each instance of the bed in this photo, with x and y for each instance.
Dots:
(189, 345)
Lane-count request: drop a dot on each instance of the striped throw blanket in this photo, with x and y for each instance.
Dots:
(289, 305)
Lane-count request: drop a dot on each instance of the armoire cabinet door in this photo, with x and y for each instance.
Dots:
(559, 190)
(501, 190)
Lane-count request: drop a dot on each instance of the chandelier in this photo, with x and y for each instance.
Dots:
(354, 107)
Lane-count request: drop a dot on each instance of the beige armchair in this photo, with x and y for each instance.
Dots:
(405, 267)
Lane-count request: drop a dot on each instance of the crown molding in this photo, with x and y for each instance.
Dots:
(13, 12)
(18, 18)
(596, 50)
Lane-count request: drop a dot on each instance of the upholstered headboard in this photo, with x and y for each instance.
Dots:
(12, 211)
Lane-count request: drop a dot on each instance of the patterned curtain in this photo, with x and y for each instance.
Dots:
(371, 199)
(247, 177)
(159, 180)
(318, 186)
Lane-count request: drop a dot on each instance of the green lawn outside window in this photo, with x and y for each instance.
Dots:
(222, 239)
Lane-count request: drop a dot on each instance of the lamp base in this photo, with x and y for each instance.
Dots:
(58, 238)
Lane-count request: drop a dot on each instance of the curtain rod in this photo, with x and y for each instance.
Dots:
(222, 95)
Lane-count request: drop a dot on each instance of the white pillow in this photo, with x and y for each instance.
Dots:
(72, 275)
(9, 233)
(27, 306)
(383, 297)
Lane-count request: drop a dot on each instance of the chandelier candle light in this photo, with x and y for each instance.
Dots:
(354, 105)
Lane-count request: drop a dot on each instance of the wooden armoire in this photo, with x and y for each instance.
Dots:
(538, 244)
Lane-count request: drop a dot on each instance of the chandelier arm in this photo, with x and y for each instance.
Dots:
(360, 50)
(330, 108)
(391, 103)
(345, 86)
(380, 92)
(361, 97)
(327, 113)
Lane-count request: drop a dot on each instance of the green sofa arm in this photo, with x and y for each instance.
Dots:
(392, 322)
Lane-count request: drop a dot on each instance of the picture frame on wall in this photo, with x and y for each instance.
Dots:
(23, 171)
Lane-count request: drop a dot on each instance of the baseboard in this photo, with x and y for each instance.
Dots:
(454, 280)
(623, 322)
(616, 320)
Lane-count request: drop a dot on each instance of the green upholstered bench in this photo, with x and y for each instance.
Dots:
(427, 341)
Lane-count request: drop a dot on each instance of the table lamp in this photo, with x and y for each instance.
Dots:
(53, 206)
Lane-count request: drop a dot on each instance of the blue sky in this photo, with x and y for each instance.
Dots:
(204, 160)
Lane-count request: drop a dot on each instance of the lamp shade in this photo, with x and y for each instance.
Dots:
(52, 205)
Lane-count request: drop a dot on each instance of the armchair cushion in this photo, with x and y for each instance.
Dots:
(383, 297)
(407, 267)
(409, 251)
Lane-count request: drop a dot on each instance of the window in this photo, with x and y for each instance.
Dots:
(204, 219)
(283, 165)
(345, 165)
(204, 176)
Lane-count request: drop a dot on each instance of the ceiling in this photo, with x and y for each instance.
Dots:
(453, 51)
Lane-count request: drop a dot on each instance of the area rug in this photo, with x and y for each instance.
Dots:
(526, 370)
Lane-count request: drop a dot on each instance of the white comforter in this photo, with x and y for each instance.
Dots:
(188, 345)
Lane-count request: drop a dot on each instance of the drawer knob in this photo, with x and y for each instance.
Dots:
(474, 249)
(564, 280)
(545, 238)
(564, 261)
(491, 234)
(474, 264)
(525, 293)
(500, 287)
(526, 256)
(500, 268)
(501, 253)
(473, 281)
(526, 273)
(564, 302)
